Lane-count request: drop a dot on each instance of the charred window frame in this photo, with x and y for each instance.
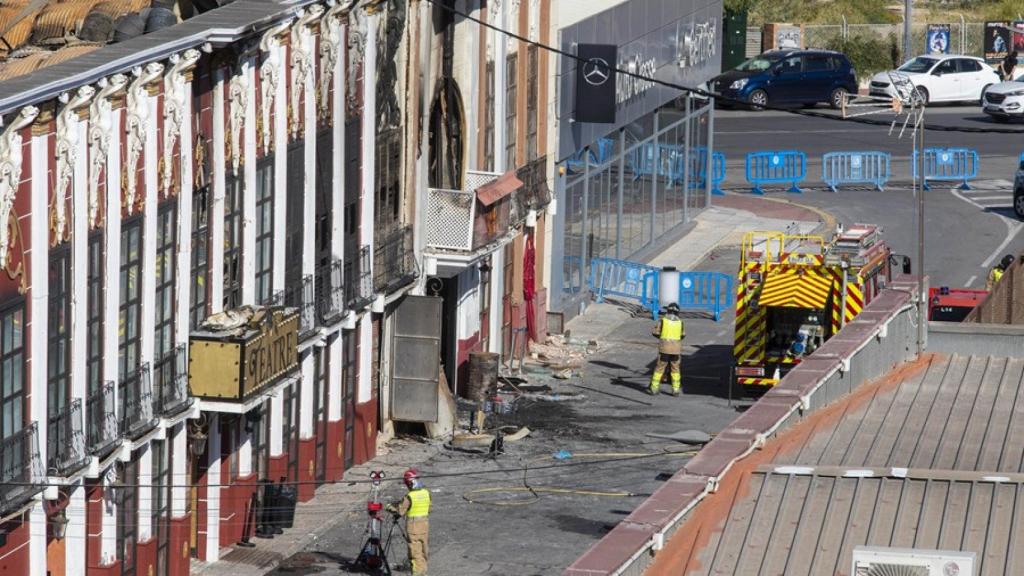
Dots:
(163, 311)
(489, 116)
(94, 313)
(233, 243)
(58, 373)
(12, 369)
(532, 94)
(264, 230)
(129, 309)
(387, 199)
(511, 94)
(200, 256)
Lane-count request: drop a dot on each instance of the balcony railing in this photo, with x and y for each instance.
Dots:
(171, 379)
(301, 297)
(394, 260)
(358, 282)
(65, 441)
(458, 221)
(136, 398)
(330, 292)
(535, 193)
(21, 468)
(101, 420)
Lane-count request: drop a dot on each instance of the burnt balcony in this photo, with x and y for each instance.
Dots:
(535, 194)
(170, 377)
(474, 221)
(394, 260)
(301, 296)
(65, 441)
(358, 282)
(330, 296)
(136, 399)
(101, 430)
(21, 468)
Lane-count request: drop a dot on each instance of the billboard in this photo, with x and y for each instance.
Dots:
(937, 39)
(997, 40)
(595, 83)
(670, 40)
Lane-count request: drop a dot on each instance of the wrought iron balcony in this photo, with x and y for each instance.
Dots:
(65, 441)
(394, 260)
(136, 398)
(301, 297)
(101, 420)
(330, 292)
(358, 282)
(470, 220)
(535, 193)
(171, 379)
(21, 468)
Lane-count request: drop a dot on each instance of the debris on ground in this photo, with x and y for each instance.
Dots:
(683, 436)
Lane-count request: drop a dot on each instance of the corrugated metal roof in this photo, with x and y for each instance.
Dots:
(933, 462)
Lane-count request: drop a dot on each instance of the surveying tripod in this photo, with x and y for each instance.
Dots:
(373, 555)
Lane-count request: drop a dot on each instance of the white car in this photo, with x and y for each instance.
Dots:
(939, 79)
(1004, 101)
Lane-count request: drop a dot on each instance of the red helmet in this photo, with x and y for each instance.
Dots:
(410, 475)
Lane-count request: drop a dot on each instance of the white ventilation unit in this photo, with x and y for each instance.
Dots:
(880, 561)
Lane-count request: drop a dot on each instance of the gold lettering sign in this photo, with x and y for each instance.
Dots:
(271, 353)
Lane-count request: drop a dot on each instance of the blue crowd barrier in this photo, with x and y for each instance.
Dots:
(704, 291)
(653, 159)
(949, 164)
(611, 277)
(604, 149)
(778, 167)
(699, 169)
(838, 168)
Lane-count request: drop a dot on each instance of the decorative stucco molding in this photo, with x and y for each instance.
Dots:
(356, 51)
(494, 19)
(270, 74)
(136, 126)
(512, 23)
(67, 156)
(238, 94)
(10, 173)
(302, 62)
(174, 108)
(99, 138)
(534, 19)
(330, 40)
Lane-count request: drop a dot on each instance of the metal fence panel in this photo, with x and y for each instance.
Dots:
(949, 164)
(776, 167)
(838, 168)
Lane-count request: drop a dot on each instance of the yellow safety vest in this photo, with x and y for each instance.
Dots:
(997, 274)
(419, 503)
(671, 330)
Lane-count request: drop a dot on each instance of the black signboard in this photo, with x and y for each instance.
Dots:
(595, 83)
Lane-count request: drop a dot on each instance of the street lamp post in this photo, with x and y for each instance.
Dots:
(908, 16)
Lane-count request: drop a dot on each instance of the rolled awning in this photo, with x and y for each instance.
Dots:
(796, 288)
(499, 188)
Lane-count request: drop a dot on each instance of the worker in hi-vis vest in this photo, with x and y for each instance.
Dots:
(416, 508)
(670, 333)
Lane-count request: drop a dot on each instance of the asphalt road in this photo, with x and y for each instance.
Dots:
(965, 231)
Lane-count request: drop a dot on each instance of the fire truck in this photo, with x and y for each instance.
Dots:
(795, 291)
(953, 304)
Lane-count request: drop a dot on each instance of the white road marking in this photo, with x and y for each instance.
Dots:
(720, 334)
(970, 281)
(996, 197)
(1012, 228)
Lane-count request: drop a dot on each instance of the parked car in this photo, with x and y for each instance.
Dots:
(1004, 101)
(939, 79)
(804, 77)
(1018, 189)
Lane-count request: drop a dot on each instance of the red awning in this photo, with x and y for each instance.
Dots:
(503, 186)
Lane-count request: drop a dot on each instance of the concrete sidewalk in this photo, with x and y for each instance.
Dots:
(589, 445)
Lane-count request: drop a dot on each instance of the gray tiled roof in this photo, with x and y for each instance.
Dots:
(219, 26)
(936, 461)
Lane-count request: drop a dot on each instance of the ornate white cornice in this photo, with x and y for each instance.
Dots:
(238, 95)
(10, 173)
(302, 61)
(270, 73)
(330, 39)
(174, 109)
(99, 137)
(136, 125)
(67, 154)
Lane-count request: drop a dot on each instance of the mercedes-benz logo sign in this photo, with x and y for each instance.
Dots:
(596, 71)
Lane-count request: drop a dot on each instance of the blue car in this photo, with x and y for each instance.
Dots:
(802, 77)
